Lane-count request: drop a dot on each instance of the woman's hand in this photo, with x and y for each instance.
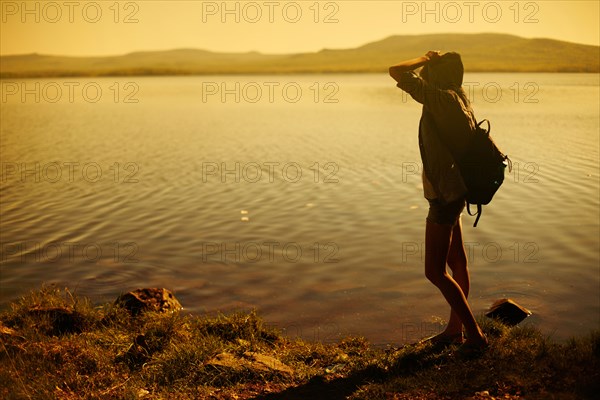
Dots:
(409, 65)
(433, 55)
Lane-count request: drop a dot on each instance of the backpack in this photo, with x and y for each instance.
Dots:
(482, 169)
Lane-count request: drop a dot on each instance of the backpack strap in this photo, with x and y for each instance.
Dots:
(478, 213)
(489, 127)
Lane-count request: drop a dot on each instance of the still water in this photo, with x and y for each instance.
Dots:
(297, 195)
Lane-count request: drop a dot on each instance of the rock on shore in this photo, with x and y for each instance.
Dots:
(149, 299)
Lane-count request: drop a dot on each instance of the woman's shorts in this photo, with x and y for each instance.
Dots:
(445, 214)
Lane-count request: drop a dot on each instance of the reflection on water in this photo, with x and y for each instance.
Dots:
(304, 203)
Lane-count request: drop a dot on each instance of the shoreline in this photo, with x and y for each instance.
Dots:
(132, 74)
(56, 344)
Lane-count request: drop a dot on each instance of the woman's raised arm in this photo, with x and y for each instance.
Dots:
(412, 64)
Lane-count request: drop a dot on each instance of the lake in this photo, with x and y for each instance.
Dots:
(297, 195)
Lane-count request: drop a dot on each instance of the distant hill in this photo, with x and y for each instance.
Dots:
(480, 52)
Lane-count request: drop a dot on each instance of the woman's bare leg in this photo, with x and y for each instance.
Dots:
(437, 246)
(457, 261)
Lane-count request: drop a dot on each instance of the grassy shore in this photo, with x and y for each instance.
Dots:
(57, 345)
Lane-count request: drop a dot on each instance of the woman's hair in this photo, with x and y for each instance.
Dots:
(445, 72)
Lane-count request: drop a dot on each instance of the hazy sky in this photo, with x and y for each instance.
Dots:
(110, 27)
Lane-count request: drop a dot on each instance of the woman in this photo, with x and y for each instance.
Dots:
(447, 121)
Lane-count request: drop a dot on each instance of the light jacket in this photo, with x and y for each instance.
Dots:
(446, 125)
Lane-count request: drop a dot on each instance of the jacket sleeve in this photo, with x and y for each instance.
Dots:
(435, 100)
(412, 84)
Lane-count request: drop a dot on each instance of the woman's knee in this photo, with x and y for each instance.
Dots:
(435, 276)
(457, 261)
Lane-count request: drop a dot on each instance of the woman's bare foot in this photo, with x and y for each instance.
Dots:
(445, 338)
(477, 340)
(473, 347)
